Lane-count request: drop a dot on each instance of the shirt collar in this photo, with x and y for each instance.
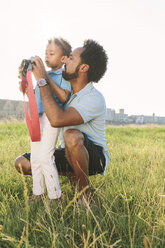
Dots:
(57, 72)
(84, 90)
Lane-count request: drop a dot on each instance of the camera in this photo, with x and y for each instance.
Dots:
(26, 65)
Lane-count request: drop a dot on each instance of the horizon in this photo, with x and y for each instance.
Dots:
(116, 111)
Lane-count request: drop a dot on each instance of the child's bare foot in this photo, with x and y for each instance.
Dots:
(37, 198)
(55, 203)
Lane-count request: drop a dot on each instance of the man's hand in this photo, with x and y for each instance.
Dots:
(38, 68)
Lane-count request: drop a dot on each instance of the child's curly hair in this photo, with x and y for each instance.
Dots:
(65, 46)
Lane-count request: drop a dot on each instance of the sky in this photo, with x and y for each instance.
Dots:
(131, 31)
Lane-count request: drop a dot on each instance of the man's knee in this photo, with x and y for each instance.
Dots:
(17, 164)
(73, 138)
(22, 165)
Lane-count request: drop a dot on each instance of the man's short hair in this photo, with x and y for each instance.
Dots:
(95, 56)
(63, 44)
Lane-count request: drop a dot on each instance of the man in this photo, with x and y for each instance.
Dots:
(83, 144)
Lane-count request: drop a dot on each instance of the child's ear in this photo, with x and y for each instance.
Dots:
(84, 68)
(64, 59)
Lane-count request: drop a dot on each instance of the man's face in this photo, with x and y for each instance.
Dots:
(72, 66)
(53, 56)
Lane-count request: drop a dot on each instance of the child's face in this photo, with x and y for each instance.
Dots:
(53, 56)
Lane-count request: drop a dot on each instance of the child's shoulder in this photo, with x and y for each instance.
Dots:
(66, 84)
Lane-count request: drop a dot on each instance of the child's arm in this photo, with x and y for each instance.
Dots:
(62, 94)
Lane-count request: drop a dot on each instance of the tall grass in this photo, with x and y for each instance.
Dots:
(128, 208)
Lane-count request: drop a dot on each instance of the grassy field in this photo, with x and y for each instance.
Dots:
(128, 208)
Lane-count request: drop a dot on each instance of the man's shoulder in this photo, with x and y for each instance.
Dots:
(94, 95)
(90, 91)
(91, 100)
(98, 93)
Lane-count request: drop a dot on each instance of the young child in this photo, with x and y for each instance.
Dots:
(44, 171)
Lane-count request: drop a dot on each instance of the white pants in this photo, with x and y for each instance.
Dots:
(44, 170)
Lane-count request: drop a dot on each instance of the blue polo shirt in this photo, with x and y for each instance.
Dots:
(90, 104)
(56, 76)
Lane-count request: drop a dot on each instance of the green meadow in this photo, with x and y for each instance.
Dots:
(128, 207)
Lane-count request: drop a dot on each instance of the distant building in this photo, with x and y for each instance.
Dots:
(121, 118)
(110, 115)
(11, 109)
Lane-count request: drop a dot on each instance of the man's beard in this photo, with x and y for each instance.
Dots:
(70, 76)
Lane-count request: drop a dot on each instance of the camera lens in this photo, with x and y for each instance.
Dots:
(25, 64)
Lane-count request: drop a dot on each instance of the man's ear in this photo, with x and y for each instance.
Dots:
(84, 68)
(64, 59)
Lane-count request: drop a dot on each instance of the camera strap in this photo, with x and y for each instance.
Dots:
(32, 120)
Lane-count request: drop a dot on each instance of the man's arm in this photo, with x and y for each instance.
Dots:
(56, 115)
